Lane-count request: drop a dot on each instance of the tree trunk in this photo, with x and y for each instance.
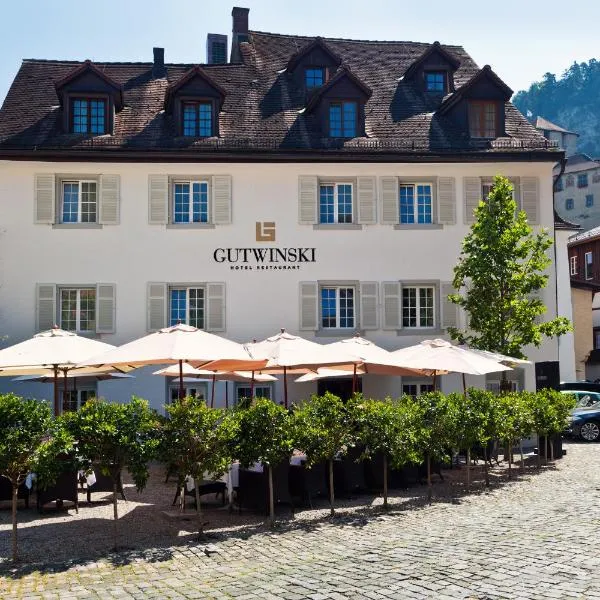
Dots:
(198, 508)
(522, 458)
(15, 492)
(539, 456)
(385, 481)
(546, 448)
(485, 466)
(429, 494)
(271, 498)
(181, 499)
(115, 513)
(551, 450)
(331, 492)
(468, 468)
(509, 452)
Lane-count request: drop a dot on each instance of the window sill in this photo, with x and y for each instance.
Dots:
(404, 226)
(336, 226)
(77, 226)
(338, 333)
(191, 226)
(420, 331)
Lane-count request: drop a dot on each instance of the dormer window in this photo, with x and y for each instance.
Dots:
(435, 82)
(343, 119)
(197, 119)
(314, 77)
(483, 119)
(88, 115)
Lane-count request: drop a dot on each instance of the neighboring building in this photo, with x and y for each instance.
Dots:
(577, 196)
(584, 269)
(567, 140)
(321, 185)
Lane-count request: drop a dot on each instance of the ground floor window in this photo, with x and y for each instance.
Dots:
(195, 390)
(243, 392)
(75, 399)
(416, 389)
(494, 386)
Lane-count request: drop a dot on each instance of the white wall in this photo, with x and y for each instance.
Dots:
(566, 343)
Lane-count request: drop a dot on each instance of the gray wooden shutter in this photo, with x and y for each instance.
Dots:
(44, 198)
(215, 312)
(392, 304)
(516, 183)
(446, 201)
(157, 306)
(530, 199)
(158, 199)
(367, 200)
(472, 195)
(105, 307)
(110, 192)
(369, 299)
(449, 310)
(390, 203)
(45, 302)
(309, 306)
(308, 191)
(221, 199)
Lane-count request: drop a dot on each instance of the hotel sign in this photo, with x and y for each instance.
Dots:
(265, 259)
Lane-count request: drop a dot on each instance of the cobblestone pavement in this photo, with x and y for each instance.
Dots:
(537, 537)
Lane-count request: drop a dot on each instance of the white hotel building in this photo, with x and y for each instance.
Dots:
(320, 185)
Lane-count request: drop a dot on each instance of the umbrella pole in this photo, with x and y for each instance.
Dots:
(464, 379)
(226, 396)
(285, 395)
(180, 379)
(212, 391)
(65, 389)
(252, 387)
(434, 381)
(56, 407)
(354, 380)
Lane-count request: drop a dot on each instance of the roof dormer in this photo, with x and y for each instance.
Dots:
(478, 105)
(89, 99)
(433, 71)
(195, 101)
(314, 65)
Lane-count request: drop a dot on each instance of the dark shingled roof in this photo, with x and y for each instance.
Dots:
(263, 107)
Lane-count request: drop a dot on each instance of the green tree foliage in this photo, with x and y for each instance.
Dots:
(323, 428)
(25, 427)
(195, 439)
(262, 433)
(501, 267)
(114, 437)
(569, 100)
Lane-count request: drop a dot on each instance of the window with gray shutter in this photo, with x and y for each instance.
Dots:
(105, 307)
(472, 197)
(446, 201)
(392, 304)
(157, 306)
(369, 298)
(449, 309)
(158, 199)
(530, 199)
(45, 294)
(215, 293)
(309, 308)
(307, 199)
(367, 200)
(390, 202)
(221, 197)
(110, 191)
(44, 198)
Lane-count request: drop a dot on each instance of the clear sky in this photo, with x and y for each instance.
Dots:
(520, 39)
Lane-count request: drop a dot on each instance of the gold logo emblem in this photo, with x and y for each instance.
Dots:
(265, 231)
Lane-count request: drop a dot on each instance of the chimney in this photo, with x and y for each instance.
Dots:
(216, 48)
(239, 31)
(158, 68)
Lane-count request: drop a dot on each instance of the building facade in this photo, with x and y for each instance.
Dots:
(315, 184)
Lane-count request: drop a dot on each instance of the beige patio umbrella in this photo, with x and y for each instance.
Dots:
(205, 375)
(48, 353)
(178, 344)
(285, 352)
(510, 361)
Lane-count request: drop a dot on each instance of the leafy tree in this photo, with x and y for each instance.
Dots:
(510, 421)
(389, 428)
(323, 429)
(501, 267)
(25, 428)
(194, 439)
(550, 410)
(263, 433)
(114, 437)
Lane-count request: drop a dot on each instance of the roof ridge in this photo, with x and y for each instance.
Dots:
(127, 64)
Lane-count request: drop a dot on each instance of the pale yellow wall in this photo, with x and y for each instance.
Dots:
(583, 328)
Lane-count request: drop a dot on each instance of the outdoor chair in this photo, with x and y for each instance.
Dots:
(6, 491)
(104, 483)
(308, 483)
(206, 487)
(65, 488)
(253, 490)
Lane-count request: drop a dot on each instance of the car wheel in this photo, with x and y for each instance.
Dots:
(590, 431)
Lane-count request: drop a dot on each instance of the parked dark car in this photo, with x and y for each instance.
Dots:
(585, 386)
(584, 423)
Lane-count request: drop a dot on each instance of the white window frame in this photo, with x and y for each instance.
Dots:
(78, 289)
(257, 386)
(336, 201)
(173, 389)
(79, 182)
(573, 265)
(494, 385)
(355, 302)
(190, 183)
(85, 388)
(415, 203)
(418, 306)
(419, 385)
(187, 288)
(588, 266)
